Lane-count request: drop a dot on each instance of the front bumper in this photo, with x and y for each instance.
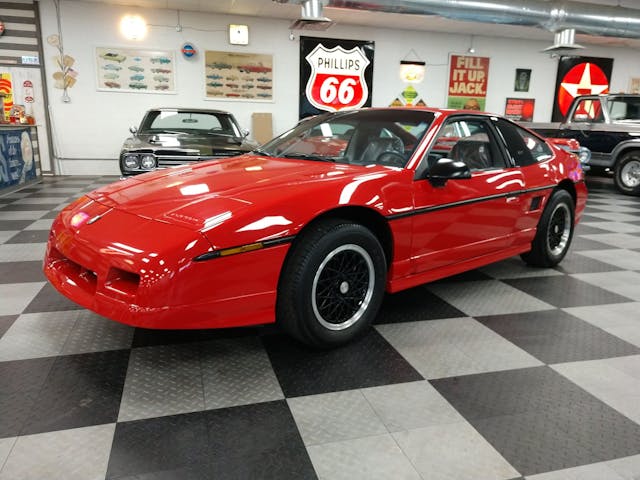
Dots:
(143, 274)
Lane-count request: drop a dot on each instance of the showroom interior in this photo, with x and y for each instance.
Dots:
(504, 371)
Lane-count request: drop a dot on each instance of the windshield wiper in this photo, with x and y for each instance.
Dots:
(308, 156)
(261, 152)
(154, 132)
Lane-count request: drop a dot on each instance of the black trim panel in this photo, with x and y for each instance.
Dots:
(266, 244)
(435, 208)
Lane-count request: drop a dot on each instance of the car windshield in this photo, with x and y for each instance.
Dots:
(210, 123)
(624, 108)
(361, 137)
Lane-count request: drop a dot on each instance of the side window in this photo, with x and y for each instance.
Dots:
(588, 110)
(468, 141)
(524, 148)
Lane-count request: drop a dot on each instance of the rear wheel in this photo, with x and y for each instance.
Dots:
(627, 173)
(332, 284)
(555, 231)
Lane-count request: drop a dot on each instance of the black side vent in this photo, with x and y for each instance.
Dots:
(535, 203)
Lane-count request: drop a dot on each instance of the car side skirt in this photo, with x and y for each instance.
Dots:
(398, 284)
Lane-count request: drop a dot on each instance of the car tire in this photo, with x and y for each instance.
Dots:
(554, 233)
(332, 283)
(627, 173)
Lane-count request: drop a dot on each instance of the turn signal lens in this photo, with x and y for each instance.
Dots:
(242, 249)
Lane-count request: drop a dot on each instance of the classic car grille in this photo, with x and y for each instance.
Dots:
(165, 161)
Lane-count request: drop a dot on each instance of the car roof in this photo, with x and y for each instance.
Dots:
(195, 110)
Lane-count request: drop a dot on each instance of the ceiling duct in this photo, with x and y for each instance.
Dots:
(564, 42)
(552, 15)
(312, 18)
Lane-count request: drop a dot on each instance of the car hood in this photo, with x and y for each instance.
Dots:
(203, 145)
(203, 196)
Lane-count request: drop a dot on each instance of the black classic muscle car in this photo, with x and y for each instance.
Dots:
(176, 136)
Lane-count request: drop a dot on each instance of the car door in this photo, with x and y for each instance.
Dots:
(530, 155)
(465, 218)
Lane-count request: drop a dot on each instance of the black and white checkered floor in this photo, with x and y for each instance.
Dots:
(505, 372)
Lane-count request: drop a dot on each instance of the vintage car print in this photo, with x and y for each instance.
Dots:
(215, 76)
(161, 87)
(136, 68)
(160, 78)
(214, 84)
(263, 79)
(160, 70)
(160, 60)
(111, 66)
(312, 228)
(112, 84)
(168, 137)
(254, 69)
(110, 76)
(113, 57)
(136, 77)
(138, 85)
(220, 65)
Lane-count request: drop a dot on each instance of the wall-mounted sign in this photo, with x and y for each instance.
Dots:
(519, 109)
(408, 97)
(579, 76)
(27, 91)
(468, 77)
(188, 50)
(334, 75)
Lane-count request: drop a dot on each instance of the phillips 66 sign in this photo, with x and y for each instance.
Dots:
(335, 75)
(337, 78)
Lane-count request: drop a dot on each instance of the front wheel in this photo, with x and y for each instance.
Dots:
(555, 231)
(627, 173)
(332, 283)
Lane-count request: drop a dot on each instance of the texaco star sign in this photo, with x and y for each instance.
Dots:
(583, 79)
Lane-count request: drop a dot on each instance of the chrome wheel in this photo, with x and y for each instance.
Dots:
(630, 174)
(559, 230)
(343, 287)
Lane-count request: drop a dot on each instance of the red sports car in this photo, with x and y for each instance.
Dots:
(313, 228)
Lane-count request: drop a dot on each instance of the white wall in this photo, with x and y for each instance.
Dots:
(89, 131)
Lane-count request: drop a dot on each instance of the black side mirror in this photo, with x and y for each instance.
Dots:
(133, 130)
(446, 169)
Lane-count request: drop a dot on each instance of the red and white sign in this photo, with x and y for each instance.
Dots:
(337, 78)
(583, 79)
(27, 91)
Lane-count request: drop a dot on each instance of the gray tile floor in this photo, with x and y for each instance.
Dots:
(506, 372)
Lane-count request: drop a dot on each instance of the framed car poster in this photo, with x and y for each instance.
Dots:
(238, 76)
(135, 71)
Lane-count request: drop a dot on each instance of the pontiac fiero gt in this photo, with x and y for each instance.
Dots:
(311, 230)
